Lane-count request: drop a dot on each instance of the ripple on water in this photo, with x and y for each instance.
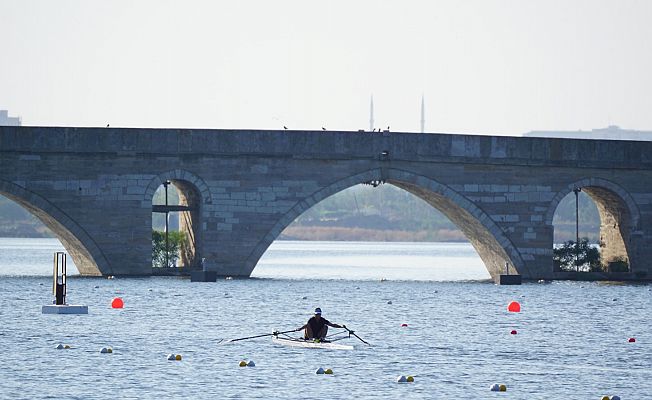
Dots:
(572, 341)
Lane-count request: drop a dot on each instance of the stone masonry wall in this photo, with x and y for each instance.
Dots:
(97, 184)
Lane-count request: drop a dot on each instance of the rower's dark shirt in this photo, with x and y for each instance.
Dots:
(317, 325)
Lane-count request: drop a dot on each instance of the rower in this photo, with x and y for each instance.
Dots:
(317, 327)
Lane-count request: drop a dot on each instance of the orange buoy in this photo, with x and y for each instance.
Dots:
(513, 332)
(632, 340)
(514, 306)
(117, 303)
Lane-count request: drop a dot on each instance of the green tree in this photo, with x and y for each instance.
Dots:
(177, 242)
(586, 258)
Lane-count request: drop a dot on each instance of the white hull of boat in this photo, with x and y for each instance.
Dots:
(311, 344)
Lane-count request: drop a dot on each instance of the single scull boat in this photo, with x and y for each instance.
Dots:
(310, 344)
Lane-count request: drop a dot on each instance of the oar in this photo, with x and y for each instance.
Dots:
(275, 333)
(353, 333)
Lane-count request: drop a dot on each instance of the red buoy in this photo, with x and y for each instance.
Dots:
(514, 307)
(632, 340)
(404, 325)
(513, 332)
(117, 303)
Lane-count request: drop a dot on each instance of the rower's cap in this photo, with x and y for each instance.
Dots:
(318, 310)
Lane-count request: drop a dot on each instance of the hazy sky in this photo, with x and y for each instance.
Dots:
(486, 66)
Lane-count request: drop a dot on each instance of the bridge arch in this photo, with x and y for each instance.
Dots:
(86, 254)
(177, 175)
(489, 240)
(193, 192)
(619, 215)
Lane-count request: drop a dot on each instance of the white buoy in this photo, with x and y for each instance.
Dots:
(494, 388)
(401, 379)
(320, 371)
(59, 346)
(251, 364)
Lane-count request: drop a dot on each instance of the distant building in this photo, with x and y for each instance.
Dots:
(6, 120)
(611, 132)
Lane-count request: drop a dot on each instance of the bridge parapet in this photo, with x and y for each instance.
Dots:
(330, 145)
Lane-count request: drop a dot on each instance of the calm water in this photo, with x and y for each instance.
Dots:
(571, 341)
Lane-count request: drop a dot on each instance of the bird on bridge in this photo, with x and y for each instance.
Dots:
(323, 129)
(285, 127)
(107, 125)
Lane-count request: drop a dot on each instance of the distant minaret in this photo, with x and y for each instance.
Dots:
(423, 115)
(371, 114)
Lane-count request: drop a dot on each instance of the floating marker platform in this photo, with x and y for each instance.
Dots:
(508, 280)
(59, 285)
(64, 309)
(203, 276)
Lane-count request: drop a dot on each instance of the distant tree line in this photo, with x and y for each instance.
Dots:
(387, 208)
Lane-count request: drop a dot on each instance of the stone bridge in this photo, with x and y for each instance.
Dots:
(93, 188)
